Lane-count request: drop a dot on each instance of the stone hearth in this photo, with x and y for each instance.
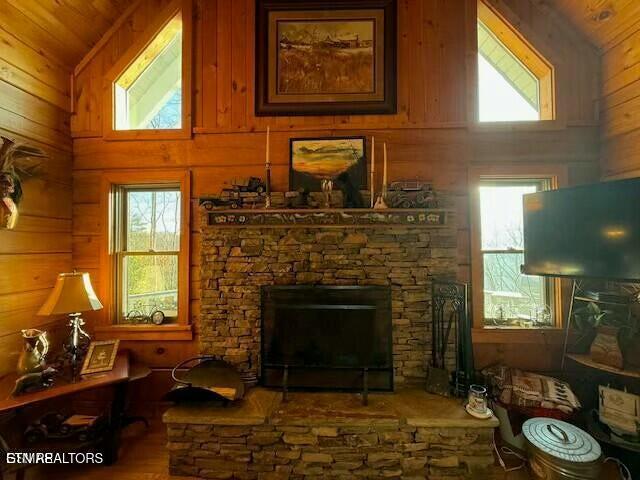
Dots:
(410, 434)
(244, 250)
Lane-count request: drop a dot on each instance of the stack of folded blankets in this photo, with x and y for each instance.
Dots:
(511, 386)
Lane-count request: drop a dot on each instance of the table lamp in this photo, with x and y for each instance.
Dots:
(72, 295)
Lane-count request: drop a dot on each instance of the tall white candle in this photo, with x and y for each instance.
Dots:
(384, 169)
(268, 162)
(373, 169)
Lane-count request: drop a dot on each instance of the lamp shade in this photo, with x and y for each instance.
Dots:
(72, 293)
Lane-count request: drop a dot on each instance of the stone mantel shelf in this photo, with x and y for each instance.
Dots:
(358, 217)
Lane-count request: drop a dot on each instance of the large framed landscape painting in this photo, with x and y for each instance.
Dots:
(325, 57)
(340, 159)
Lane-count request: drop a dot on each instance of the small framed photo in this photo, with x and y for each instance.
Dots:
(100, 357)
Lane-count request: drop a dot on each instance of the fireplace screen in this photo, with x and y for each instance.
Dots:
(327, 337)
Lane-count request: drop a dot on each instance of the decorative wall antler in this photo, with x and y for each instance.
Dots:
(17, 161)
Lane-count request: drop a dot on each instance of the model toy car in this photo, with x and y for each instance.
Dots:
(408, 186)
(411, 194)
(210, 203)
(59, 426)
(250, 184)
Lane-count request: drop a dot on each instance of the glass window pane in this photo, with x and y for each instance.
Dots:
(153, 220)
(511, 298)
(501, 215)
(507, 90)
(148, 94)
(150, 283)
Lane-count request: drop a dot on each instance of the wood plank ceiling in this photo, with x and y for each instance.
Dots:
(614, 27)
(69, 28)
(63, 30)
(605, 22)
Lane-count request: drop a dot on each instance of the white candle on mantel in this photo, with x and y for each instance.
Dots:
(373, 169)
(384, 169)
(268, 162)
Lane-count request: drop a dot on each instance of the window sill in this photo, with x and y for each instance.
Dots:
(539, 336)
(160, 134)
(519, 126)
(169, 332)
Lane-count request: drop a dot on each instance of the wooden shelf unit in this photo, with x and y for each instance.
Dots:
(586, 361)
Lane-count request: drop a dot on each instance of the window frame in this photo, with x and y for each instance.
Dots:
(542, 184)
(107, 325)
(556, 176)
(185, 7)
(120, 236)
(528, 55)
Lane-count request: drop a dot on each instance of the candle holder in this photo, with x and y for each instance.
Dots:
(267, 200)
(380, 203)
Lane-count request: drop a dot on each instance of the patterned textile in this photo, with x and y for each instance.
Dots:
(525, 389)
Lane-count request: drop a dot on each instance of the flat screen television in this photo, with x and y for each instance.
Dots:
(590, 231)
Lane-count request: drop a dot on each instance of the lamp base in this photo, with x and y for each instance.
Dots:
(77, 344)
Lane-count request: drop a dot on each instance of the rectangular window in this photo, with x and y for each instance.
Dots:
(510, 298)
(147, 222)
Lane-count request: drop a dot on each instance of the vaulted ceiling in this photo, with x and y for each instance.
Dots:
(63, 30)
(604, 22)
(66, 30)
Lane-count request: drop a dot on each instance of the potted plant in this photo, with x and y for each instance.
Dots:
(611, 329)
(16, 162)
(586, 320)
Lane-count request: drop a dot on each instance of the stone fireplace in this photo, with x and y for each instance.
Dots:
(400, 250)
(326, 291)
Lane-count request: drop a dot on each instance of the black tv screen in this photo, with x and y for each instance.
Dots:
(591, 231)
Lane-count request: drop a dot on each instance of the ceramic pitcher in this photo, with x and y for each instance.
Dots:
(36, 346)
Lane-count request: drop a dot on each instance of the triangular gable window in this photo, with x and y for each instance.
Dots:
(148, 94)
(515, 83)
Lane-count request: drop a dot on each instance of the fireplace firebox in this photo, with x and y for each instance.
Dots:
(327, 337)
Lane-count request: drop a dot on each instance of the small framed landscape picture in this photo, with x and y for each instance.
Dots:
(339, 159)
(100, 357)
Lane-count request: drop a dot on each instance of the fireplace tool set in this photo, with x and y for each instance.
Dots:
(450, 373)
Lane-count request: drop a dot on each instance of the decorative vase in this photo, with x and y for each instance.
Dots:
(8, 213)
(36, 346)
(605, 348)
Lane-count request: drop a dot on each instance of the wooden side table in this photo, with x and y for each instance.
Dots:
(117, 378)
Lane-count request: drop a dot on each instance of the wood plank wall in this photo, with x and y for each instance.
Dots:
(430, 137)
(621, 101)
(34, 108)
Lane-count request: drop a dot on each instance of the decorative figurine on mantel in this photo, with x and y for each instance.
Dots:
(327, 188)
